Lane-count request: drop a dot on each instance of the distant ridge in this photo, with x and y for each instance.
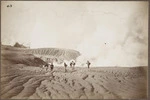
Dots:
(54, 53)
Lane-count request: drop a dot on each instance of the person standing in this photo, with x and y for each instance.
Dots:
(46, 66)
(88, 64)
(65, 65)
(71, 64)
(51, 66)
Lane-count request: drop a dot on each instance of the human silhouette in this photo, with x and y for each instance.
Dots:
(88, 64)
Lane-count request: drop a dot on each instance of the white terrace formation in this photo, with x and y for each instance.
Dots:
(54, 54)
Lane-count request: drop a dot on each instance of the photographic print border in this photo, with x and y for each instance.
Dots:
(148, 85)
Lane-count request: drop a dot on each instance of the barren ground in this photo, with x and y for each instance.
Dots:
(26, 80)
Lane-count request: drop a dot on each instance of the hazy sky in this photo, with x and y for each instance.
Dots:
(81, 25)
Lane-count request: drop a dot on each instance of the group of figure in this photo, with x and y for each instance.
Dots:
(49, 66)
(72, 65)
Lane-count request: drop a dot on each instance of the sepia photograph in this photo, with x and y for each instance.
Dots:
(74, 49)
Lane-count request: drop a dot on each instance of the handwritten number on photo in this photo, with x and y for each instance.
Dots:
(9, 5)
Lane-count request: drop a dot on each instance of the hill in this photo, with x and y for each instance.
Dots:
(54, 54)
(45, 54)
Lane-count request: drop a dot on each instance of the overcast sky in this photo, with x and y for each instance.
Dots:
(105, 31)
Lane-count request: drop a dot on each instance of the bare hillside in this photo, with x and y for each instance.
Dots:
(16, 56)
(48, 54)
(54, 53)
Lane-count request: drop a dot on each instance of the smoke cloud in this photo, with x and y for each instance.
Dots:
(110, 33)
(118, 43)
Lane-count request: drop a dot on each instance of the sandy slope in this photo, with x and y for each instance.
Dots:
(22, 77)
(20, 81)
